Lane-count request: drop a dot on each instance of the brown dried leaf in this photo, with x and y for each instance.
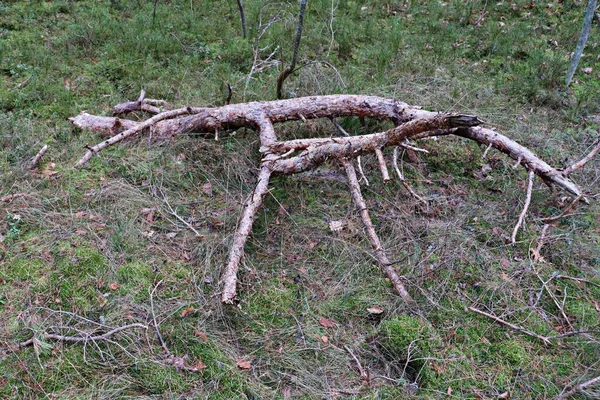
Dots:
(187, 311)
(244, 364)
(201, 335)
(327, 323)
(114, 286)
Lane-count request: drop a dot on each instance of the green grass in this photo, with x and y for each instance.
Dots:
(80, 248)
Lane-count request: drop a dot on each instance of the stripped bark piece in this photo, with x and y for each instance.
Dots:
(241, 235)
(380, 254)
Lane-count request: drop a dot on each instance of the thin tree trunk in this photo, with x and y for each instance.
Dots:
(585, 31)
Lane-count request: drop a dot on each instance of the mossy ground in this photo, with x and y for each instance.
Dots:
(80, 248)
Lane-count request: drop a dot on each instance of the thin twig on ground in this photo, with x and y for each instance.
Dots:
(540, 243)
(578, 388)
(173, 213)
(565, 211)
(581, 280)
(401, 177)
(525, 207)
(84, 336)
(581, 163)
(156, 329)
(544, 339)
(361, 370)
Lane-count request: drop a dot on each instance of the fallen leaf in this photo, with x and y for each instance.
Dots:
(199, 365)
(114, 286)
(244, 364)
(375, 310)
(201, 335)
(187, 311)
(327, 323)
(150, 216)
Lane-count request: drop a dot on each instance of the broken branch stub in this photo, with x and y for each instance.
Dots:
(300, 155)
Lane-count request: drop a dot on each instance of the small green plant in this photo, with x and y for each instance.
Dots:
(14, 223)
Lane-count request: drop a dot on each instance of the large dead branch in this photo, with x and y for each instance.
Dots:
(300, 155)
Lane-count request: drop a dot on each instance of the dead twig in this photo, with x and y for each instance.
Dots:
(84, 336)
(384, 262)
(578, 388)
(132, 131)
(382, 166)
(565, 211)
(401, 177)
(158, 334)
(288, 71)
(361, 370)
(581, 163)
(35, 160)
(544, 339)
(525, 207)
(580, 280)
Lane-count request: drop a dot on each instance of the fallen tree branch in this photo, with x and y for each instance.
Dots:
(241, 235)
(84, 336)
(382, 165)
(384, 262)
(301, 155)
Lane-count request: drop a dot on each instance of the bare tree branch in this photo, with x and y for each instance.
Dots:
(288, 71)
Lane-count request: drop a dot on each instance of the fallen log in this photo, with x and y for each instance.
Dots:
(300, 155)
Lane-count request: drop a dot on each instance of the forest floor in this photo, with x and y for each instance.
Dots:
(91, 249)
